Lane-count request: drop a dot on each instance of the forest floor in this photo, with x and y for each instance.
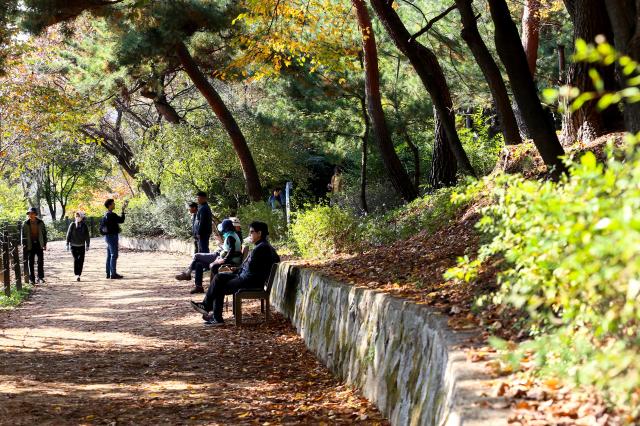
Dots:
(132, 351)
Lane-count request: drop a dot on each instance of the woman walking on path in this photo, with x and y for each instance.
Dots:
(78, 237)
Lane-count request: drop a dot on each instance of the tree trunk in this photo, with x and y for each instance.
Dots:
(397, 174)
(625, 21)
(491, 73)
(531, 33)
(161, 104)
(428, 68)
(363, 156)
(589, 20)
(252, 179)
(525, 92)
(443, 166)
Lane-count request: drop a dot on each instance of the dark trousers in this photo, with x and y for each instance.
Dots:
(200, 262)
(222, 285)
(195, 246)
(78, 259)
(203, 244)
(36, 250)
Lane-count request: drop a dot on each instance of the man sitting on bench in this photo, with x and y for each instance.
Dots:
(252, 274)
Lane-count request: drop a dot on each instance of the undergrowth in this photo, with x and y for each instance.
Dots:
(16, 297)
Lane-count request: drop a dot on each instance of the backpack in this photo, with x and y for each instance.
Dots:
(104, 230)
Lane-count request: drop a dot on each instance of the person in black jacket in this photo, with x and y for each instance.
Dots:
(78, 239)
(252, 274)
(202, 225)
(110, 228)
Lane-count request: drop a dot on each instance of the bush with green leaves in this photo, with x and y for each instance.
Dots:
(261, 211)
(162, 217)
(571, 260)
(429, 212)
(324, 230)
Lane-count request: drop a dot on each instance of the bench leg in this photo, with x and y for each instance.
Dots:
(267, 310)
(237, 304)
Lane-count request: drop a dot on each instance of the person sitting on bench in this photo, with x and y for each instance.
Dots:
(230, 253)
(252, 274)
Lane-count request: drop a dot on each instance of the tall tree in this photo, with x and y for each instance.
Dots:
(397, 174)
(151, 31)
(512, 55)
(625, 20)
(428, 68)
(590, 19)
(531, 32)
(491, 72)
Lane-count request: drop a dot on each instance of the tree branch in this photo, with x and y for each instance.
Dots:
(431, 23)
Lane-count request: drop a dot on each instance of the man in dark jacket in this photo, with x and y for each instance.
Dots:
(252, 274)
(202, 225)
(110, 228)
(193, 210)
(34, 242)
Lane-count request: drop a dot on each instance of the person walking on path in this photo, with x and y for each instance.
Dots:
(203, 223)
(78, 239)
(110, 228)
(34, 241)
(193, 209)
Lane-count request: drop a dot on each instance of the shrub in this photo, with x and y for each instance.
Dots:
(162, 217)
(324, 230)
(261, 211)
(571, 255)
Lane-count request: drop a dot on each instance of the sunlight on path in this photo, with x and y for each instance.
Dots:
(131, 351)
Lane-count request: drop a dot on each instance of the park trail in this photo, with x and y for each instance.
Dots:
(132, 351)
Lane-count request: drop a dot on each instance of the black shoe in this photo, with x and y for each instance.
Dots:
(213, 322)
(40, 280)
(196, 289)
(116, 277)
(199, 307)
(108, 276)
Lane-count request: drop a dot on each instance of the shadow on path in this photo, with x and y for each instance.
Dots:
(133, 352)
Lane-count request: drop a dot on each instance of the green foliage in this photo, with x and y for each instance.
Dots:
(16, 297)
(426, 213)
(482, 148)
(12, 203)
(571, 261)
(163, 217)
(323, 230)
(261, 211)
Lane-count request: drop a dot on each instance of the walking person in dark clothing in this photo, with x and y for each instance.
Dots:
(110, 228)
(203, 223)
(78, 239)
(34, 242)
(252, 274)
(193, 209)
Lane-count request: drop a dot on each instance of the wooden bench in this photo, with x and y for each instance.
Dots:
(262, 295)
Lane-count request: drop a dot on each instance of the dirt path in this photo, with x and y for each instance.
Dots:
(133, 352)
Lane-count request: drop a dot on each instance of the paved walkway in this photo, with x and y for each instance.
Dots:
(133, 352)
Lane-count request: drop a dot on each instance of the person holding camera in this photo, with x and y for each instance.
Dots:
(110, 228)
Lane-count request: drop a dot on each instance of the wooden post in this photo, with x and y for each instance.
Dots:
(561, 64)
(15, 258)
(6, 277)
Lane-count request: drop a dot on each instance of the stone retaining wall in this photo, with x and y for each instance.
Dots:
(400, 354)
(157, 244)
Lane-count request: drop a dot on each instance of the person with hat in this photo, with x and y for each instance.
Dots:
(78, 239)
(202, 224)
(230, 253)
(34, 242)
